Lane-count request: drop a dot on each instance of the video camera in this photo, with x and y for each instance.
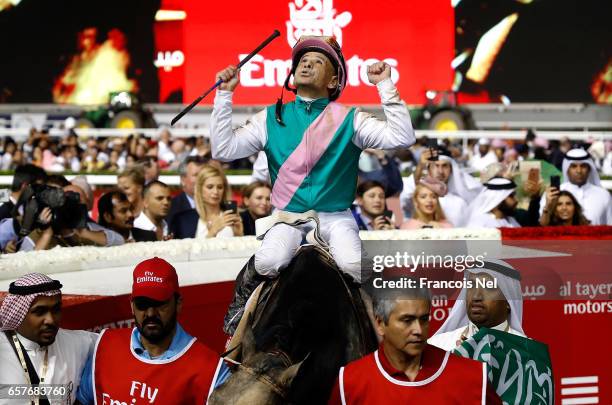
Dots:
(66, 207)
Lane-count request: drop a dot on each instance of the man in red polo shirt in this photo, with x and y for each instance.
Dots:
(405, 368)
(157, 362)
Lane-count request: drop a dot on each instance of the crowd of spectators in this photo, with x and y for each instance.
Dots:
(72, 153)
(165, 152)
(492, 184)
(484, 186)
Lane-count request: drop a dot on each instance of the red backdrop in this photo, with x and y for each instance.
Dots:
(415, 37)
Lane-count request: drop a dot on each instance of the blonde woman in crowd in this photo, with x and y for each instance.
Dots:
(209, 219)
(132, 181)
(427, 210)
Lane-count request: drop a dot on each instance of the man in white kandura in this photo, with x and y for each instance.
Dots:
(494, 207)
(500, 308)
(582, 180)
(33, 348)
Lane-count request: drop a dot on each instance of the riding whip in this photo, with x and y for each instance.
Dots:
(275, 34)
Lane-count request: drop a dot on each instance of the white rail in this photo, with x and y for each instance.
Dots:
(22, 133)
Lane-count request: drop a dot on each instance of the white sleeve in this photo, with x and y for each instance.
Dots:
(396, 132)
(229, 144)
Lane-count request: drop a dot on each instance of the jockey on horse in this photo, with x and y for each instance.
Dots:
(312, 146)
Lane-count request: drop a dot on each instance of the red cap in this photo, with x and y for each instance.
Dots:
(155, 279)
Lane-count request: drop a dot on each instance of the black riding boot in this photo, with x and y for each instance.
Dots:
(247, 281)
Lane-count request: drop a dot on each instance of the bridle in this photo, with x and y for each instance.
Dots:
(263, 378)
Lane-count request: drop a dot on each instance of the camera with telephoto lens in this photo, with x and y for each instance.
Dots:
(66, 208)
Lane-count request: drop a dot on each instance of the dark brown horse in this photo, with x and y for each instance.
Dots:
(307, 324)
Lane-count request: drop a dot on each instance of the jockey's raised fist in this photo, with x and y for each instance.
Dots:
(230, 76)
(378, 72)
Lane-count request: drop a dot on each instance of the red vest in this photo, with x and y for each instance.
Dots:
(457, 381)
(122, 378)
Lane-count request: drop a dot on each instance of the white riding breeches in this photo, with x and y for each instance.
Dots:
(338, 229)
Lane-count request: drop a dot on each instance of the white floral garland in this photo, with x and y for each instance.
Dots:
(61, 259)
(434, 234)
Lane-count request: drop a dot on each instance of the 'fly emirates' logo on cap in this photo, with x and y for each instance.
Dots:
(149, 277)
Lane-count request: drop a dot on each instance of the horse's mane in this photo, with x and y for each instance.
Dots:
(309, 313)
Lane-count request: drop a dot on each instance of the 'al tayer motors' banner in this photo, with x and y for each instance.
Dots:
(415, 38)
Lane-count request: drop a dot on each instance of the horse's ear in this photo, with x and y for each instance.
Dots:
(289, 374)
(248, 340)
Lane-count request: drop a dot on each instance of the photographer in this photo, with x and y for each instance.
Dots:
(24, 175)
(111, 238)
(370, 212)
(55, 217)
